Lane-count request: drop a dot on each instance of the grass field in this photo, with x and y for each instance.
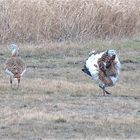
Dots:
(57, 101)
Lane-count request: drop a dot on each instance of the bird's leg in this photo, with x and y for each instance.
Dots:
(11, 81)
(18, 82)
(104, 91)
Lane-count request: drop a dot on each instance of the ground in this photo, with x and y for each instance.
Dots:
(56, 100)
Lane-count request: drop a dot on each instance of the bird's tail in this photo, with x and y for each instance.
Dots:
(85, 70)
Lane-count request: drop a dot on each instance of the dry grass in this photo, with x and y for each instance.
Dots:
(61, 20)
(57, 101)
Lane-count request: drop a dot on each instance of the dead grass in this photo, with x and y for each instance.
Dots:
(57, 101)
(53, 20)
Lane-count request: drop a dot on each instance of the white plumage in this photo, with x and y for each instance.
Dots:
(92, 68)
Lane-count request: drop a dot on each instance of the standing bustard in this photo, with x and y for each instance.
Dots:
(104, 68)
(15, 66)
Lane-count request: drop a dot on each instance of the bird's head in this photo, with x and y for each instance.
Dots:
(14, 49)
(110, 56)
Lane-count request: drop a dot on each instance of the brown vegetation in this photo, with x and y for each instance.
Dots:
(41, 20)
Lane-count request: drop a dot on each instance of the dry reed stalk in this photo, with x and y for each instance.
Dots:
(60, 20)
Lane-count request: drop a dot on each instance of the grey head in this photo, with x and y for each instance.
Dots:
(14, 49)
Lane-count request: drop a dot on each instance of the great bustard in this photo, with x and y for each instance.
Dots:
(15, 66)
(104, 68)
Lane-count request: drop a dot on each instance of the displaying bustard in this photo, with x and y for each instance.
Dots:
(15, 66)
(104, 68)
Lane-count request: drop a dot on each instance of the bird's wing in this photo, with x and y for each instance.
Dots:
(15, 66)
(92, 66)
(92, 61)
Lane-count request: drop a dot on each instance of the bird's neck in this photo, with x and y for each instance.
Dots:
(14, 53)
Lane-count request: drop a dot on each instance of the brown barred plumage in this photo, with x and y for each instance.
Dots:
(104, 68)
(15, 66)
(108, 70)
(111, 71)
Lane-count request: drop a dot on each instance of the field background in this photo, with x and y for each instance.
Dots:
(56, 100)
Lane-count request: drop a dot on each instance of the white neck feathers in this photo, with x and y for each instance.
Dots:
(14, 52)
